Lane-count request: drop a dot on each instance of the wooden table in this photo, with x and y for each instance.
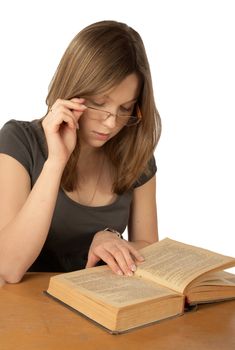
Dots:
(31, 320)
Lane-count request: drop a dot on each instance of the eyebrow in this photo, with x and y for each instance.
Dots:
(134, 100)
(108, 97)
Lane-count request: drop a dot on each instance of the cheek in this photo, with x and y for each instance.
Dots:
(86, 126)
(83, 122)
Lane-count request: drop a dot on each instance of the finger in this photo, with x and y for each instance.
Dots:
(75, 104)
(110, 261)
(129, 260)
(92, 260)
(78, 99)
(136, 254)
(58, 116)
(119, 255)
(68, 119)
(60, 109)
(70, 114)
(77, 114)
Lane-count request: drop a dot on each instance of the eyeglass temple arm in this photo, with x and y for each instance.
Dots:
(138, 112)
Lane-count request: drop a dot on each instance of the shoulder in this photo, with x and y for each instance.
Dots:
(149, 172)
(25, 132)
(22, 140)
(20, 127)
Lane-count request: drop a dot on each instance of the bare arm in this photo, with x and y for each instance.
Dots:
(122, 255)
(142, 226)
(25, 215)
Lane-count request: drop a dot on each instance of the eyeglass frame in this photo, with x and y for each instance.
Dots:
(109, 114)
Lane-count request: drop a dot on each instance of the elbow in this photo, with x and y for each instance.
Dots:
(13, 279)
(11, 271)
(10, 277)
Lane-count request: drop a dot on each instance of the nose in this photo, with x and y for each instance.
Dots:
(110, 122)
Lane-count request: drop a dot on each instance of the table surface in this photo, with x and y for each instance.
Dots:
(31, 320)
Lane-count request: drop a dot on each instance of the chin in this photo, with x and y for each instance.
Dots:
(98, 144)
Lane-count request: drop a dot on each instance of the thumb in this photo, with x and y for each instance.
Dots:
(92, 260)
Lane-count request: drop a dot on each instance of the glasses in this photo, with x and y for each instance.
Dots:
(121, 120)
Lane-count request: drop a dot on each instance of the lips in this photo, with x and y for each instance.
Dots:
(101, 136)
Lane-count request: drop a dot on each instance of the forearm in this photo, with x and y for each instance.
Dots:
(22, 239)
(139, 244)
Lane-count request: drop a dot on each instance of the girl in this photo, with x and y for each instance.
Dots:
(71, 182)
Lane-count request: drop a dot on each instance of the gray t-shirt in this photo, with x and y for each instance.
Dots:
(73, 225)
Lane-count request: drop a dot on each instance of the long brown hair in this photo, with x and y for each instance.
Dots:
(97, 59)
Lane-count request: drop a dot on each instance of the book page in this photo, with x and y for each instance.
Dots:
(218, 278)
(102, 283)
(176, 264)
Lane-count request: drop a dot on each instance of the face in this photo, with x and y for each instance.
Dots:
(120, 100)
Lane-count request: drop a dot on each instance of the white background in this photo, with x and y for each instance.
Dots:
(190, 45)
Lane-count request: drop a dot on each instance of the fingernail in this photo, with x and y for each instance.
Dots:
(141, 258)
(130, 273)
(133, 268)
(83, 107)
(119, 272)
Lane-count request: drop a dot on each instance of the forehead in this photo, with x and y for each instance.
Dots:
(127, 90)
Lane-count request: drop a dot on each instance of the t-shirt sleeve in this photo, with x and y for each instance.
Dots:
(152, 168)
(15, 142)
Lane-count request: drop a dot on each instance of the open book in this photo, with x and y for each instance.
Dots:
(172, 275)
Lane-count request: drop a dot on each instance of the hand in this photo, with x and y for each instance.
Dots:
(2, 282)
(119, 254)
(60, 127)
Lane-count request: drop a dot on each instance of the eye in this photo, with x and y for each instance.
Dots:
(126, 110)
(97, 104)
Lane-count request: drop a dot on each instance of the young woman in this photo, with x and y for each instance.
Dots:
(71, 182)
